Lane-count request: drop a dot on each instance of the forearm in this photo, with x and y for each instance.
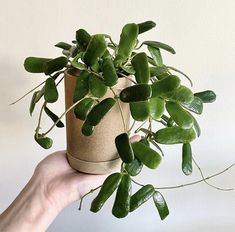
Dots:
(30, 211)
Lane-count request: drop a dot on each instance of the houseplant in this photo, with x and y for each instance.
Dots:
(92, 68)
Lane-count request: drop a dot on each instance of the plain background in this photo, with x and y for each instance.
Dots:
(203, 34)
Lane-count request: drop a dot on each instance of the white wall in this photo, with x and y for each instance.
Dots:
(203, 34)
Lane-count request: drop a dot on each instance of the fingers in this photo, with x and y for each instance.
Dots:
(135, 138)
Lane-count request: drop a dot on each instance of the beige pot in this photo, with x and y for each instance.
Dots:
(95, 154)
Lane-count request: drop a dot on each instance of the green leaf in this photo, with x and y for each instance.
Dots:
(109, 72)
(196, 126)
(96, 48)
(33, 103)
(97, 86)
(195, 106)
(179, 115)
(53, 117)
(139, 110)
(82, 86)
(63, 45)
(87, 129)
(128, 69)
(174, 135)
(146, 26)
(161, 205)
(157, 71)
(141, 196)
(187, 159)
(141, 67)
(146, 155)
(109, 186)
(99, 111)
(82, 109)
(121, 205)
(134, 168)
(83, 38)
(156, 107)
(51, 93)
(124, 148)
(54, 65)
(44, 142)
(160, 45)
(35, 64)
(207, 96)
(156, 55)
(127, 43)
(164, 86)
(136, 93)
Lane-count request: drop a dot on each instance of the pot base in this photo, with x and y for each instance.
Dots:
(94, 167)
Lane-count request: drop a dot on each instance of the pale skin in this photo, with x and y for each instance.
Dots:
(53, 186)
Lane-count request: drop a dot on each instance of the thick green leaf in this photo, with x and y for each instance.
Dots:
(87, 129)
(82, 86)
(160, 45)
(156, 55)
(96, 48)
(174, 135)
(44, 142)
(146, 155)
(82, 109)
(207, 96)
(128, 69)
(136, 93)
(121, 205)
(146, 26)
(63, 45)
(53, 117)
(157, 71)
(135, 167)
(35, 64)
(127, 43)
(98, 112)
(162, 87)
(33, 102)
(83, 38)
(179, 115)
(161, 205)
(109, 72)
(195, 106)
(124, 148)
(187, 159)
(141, 196)
(54, 65)
(110, 184)
(141, 67)
(97, 86)
(51, 94)
(139, 110)
(156, 107)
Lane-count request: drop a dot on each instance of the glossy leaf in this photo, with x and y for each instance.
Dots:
(124, 148)
(156, 71)
(195, 106)
(128, 39)
(87, 129)
(134, 168)
(179, 115)
(99, 111)
(95, 49)
(207, 96)
(141, 67)
(82, 109)
(51, 93)
(109, 186)
(54, 65)
(139, 110)
(33, 102)
(141, 196)
(121, 205)
(97, 86)
(136, 93)
(156, 55)
(161, 205)
(44, 142)
(160, 45)
(35, 64)
(146, 155)
(63, 45)
(146, 26)
(83, 38)
(187, 159)
(82, 86)
(174, 135)
(109, 72)
(53, 117)
(156, 107)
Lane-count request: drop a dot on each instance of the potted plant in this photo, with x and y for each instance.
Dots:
(105, 84)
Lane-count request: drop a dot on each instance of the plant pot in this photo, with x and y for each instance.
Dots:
(95, 154)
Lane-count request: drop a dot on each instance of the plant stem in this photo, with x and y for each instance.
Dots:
(92, 190)
(27, 93)
(137, 183)
(133, 124)
(123, 75)
(40, 118)
(138, 129)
